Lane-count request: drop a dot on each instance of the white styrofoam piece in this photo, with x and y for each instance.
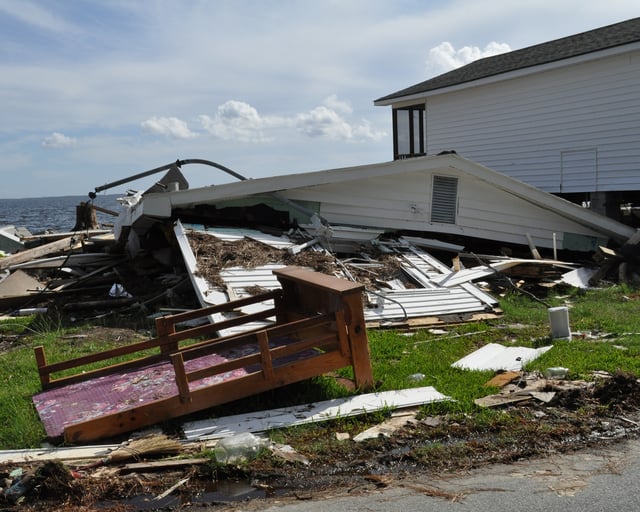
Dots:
(494, 356)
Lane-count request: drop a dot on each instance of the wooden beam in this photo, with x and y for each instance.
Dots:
(67, 243)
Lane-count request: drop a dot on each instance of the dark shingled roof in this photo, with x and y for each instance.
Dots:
(618, 34)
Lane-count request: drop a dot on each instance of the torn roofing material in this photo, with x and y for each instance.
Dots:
(262, 421)
(413, 294)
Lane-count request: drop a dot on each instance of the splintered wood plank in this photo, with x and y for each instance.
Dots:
(67, 243)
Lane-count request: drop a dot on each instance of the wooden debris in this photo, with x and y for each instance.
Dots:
(67, 243)
(503, 378)
(388, 427)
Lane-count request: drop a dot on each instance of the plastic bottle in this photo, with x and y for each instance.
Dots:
(238, 448)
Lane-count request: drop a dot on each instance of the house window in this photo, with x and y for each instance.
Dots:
(408, 132)
(444, 199)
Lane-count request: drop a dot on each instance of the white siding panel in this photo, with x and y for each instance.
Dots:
(483, 210)
(521, 126)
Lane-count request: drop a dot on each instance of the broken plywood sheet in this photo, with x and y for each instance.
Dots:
(262, 421)
(494, 356)
(20, 284)
(65, 244)
(70, 260)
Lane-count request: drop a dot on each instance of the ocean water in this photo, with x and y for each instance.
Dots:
(57, 214)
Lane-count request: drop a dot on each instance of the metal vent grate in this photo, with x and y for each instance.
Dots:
(444, 200)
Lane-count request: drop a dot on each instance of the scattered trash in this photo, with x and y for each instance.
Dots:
(559, 320)
(556, 372)
(503, 378)
(152, 445)
(388, 427)
(29, 311)
(286, 452)
(238, 448)
(117, 290)
(416, 377)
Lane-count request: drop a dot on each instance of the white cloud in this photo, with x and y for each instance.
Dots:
(326, 121)
(169, 127)
(58, 140)
(238, 120)
(445, 57)
(343, 107)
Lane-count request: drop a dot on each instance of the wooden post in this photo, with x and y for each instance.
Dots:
(164, 328)
(360, 354)
(85, 217)
(181, 378)
(41, 362)
(265, 355)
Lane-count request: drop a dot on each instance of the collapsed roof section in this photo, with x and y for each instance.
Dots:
(401, 279)
(443, 195)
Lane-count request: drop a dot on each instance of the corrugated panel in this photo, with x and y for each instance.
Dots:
(419, 302)
(239, 279)
(433, 300)
(261, 421)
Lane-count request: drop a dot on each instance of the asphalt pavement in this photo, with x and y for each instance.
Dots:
(589, 480)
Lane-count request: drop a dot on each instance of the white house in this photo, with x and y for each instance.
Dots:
(563, 115)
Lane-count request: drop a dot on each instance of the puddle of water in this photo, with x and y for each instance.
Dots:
(224, 491)
(144, 502)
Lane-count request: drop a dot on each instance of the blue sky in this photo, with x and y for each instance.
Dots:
(95, 91)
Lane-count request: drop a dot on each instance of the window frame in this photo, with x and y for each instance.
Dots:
(416, 117)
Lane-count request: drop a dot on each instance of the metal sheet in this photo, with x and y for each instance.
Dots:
(262, 421)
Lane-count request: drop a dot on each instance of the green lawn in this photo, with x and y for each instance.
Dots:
(608, 318)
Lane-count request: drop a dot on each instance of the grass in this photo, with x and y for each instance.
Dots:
(608, 318)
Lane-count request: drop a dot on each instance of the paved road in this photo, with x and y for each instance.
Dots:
(589, 480)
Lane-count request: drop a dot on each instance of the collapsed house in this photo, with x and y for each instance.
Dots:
(366, 219)
(380, 225)
(255, 254)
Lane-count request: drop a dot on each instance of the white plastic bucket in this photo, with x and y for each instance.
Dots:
(559, 320)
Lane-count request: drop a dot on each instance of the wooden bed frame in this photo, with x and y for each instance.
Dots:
(319, 328)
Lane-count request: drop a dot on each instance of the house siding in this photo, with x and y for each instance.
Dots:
(522, 126)
(483, 210)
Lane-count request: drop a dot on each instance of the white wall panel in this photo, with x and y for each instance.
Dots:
(522, 126)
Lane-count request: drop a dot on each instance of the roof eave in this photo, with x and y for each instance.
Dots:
(510, 75)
